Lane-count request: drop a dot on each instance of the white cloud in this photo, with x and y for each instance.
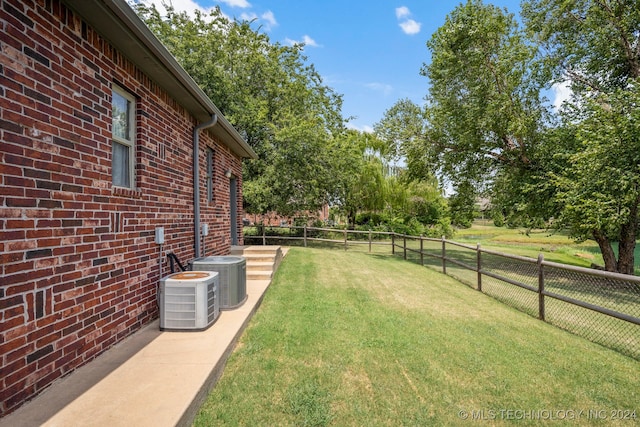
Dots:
(363, 128)
(380, 87)
(306, 40)
(248, 16)
(270, 18)
(236, 3)
(562, 93)
(189, 6)
(402, 12)
(267, 20)
(410, 26)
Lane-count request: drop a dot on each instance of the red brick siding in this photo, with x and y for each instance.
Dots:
(78, 263)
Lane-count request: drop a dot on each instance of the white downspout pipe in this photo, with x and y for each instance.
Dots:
(196, 180)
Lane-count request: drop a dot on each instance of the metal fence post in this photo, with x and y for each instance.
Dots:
(444, 255)
(264, 237)
(393, 243)
(421, 251)
(305, 235)
(345, 239)
(479, 265)
(404, 246)
(541, 311)
(369, 241)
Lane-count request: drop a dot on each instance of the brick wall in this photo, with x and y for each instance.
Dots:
(79, 268)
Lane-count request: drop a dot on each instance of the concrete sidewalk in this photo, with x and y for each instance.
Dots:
(152, 378)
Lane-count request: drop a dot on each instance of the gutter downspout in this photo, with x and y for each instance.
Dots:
(196, 186)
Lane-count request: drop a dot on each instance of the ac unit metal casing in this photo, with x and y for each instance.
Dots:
(189, 301)
(233, 278)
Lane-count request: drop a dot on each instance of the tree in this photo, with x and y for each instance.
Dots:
(596, 46)
(414, 193)
(361, 185)
(593, 43)
(600, 189)
(483, 111)
(272, 97)
(483, 105)
(401, 127)
(462, 204)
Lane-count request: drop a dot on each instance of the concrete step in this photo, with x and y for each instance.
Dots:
(259, 275)
(246, 250)
(260, 266)
(260, 257)
(262, 261)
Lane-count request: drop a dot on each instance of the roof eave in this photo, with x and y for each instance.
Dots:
(117, 22)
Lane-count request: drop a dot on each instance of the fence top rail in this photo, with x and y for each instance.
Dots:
(334, 230)
(409, 236)
(462, 245)
(342, 230)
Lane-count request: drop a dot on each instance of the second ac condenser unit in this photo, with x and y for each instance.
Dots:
(189, 301)
(233, 278)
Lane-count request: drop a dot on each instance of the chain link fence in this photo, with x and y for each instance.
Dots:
(600, 306)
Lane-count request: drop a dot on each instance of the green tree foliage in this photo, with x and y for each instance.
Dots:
(483, 106)
(595, 45)
(414, 196)
(600, 188)
(361, 184)
(271, 95)
(462, 203)
(488, 124)
(401, 128)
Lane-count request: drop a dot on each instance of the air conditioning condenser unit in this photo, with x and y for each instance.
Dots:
(189, 301)
(232, 272)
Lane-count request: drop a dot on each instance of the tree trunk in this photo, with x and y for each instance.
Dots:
(609, 257)
(627, 243)
(351, 219)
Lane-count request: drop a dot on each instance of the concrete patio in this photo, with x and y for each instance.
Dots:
(152, 378)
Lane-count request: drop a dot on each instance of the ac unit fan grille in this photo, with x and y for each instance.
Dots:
(189, 305)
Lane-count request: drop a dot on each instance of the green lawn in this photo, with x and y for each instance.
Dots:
(350, 338)
(554, 245)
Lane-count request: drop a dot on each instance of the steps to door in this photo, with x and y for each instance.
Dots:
(262, 261)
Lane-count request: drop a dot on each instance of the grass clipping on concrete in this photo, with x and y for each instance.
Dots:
(353, 339)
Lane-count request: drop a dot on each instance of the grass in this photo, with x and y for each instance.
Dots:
(352, 339)
(555, 245)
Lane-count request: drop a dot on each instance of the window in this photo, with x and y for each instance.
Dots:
(123, 139)
(209, 175)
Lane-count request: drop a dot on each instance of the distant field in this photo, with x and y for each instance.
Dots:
(554, 245)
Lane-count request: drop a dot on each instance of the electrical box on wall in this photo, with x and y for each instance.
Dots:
(205, 229)
(160, 235)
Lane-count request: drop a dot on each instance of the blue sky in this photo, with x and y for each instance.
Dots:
(370, 51)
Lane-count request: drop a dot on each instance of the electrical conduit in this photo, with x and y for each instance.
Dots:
(196, 180)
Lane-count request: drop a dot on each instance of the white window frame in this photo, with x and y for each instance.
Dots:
(131, 142)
